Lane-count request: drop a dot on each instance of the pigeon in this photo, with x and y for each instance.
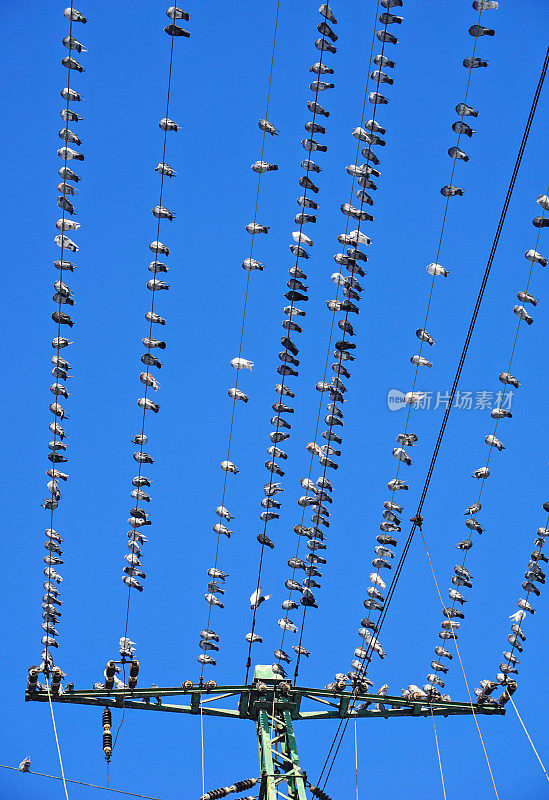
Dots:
(287, 625)
(155, 285)
(493, 441)
(402, 456)
(260, 167)
(397, 485)
(249, 264)
(500, 413)
(507, 378)
(462, 128)
(481, 473)
(424, 336)
(241, 363)
(521, 313)
(212, 600)
(222, 530)
(148, 405)
(474, 62)
(158, 247)
(474, 525)
(437, 269)
(166, 124)
(254, 228)
(228, 466)
(268, 127)
(524, 297)
(323, 45)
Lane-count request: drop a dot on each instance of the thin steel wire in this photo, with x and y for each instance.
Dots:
(57, 740)
(462, 667)
(491, 257)
(58, 349)
(438, 753)
(344, 333)
(529, 738)
(245, 304)
(465, 349)
(437, 255)
(356, 764)
(81, 783)
(513, 647)
(332, 322)
(495, 428)
(137, 500)
(283, 383)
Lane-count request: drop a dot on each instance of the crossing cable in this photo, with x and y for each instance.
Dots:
(57, 740)
(438, 753)
(432, 285)
(529, 739)
(480, 295)
(465, 349)
(461, 664)
(494, 431)
(58, 348)
(245, 304)
(283, 377)
(356, 763)
(80, 783)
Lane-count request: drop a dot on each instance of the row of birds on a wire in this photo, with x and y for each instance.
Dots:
(288, 368)
(63, 299)
(375, 601)
(318, 494)
(138, 516)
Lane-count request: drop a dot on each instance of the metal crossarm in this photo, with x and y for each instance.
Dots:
(274, 705)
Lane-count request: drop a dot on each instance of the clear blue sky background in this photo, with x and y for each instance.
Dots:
(218, 94)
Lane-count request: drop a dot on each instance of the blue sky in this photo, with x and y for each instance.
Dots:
(218, 94)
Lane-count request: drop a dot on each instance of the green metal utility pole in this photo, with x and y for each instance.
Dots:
(274, 705)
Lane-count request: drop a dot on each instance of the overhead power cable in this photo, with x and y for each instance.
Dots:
(350, 288)
(63, 297)
(465, 348)
(250, 264)
(80, 783)
(391, 522)
(297, 292)
(529, 739)
(462, 576)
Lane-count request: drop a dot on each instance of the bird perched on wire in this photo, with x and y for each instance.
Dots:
(257, 598)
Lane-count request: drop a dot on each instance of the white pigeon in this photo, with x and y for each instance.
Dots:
(257, 598)
(241, 363)
(302, 238)
(237, 394)
(436, 269)
(420, 361)
(493, 441)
